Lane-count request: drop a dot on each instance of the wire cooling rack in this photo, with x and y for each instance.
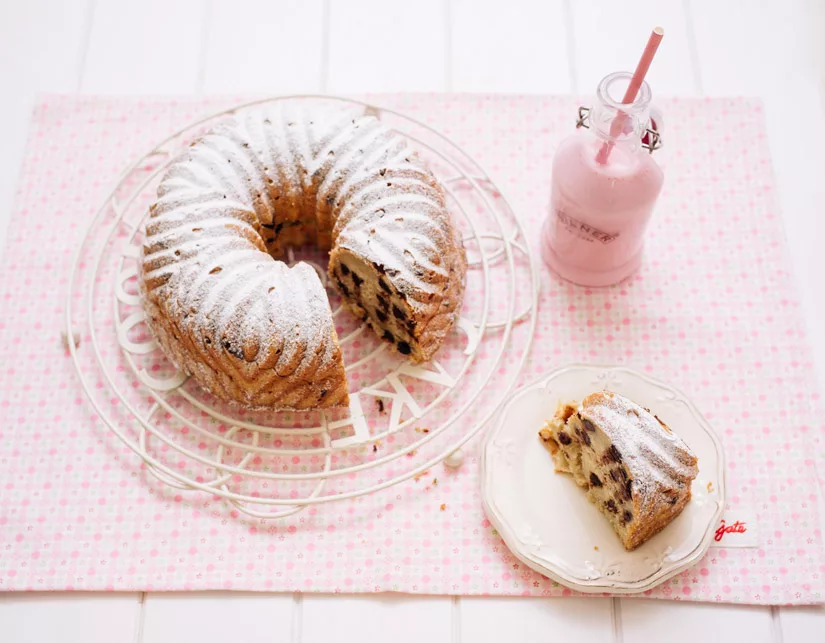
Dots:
(403, 419)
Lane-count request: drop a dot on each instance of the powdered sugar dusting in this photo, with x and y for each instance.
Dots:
(655, 456)
(242, 322)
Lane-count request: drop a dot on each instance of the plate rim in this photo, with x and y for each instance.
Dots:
(667, 570)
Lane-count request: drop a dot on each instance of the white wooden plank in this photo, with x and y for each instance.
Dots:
(217, 617)
(376, 618)
(756, 46)
(153, 46)
(802, 624)
(41, 49)
(256, 47)
(610, 36)
(584, 620)
(522, 49)
(41, 44)
(378, 46)
(91, 618)
(646, 620)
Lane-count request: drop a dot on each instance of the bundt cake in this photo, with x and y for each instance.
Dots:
(254, 331)
(635, 469)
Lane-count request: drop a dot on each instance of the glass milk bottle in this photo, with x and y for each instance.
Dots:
(604, 187)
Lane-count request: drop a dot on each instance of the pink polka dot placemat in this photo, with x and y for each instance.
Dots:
(714, 312)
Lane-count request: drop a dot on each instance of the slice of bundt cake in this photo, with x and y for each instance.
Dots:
(635, 469)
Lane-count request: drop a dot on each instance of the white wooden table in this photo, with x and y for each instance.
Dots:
(771, 48)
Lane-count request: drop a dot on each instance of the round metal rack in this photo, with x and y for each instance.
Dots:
(403, 419)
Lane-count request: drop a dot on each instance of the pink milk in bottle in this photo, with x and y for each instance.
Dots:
(604, 187)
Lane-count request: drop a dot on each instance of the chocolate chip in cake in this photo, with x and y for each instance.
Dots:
(627, 517)
(612, 455)
(594, 480)
(564, 438)
(343, 288)
(384, 285)
(398, 313)
(629, 489)
(356, 279)
(384, 303)
(583, 436)
(588, 425)
(404, 348)
(231, 350)
(623, 493)
(671, 496)
(344, 269)
(382, 316)
(388, 336)
(611, 506)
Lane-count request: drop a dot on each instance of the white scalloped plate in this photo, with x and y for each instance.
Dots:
(547, 521)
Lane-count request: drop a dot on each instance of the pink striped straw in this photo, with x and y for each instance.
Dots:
(632, 90)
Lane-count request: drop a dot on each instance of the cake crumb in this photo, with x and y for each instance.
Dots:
(545, 434)
(419, 429)
(710, 487)
(64, 336)
(380, 404)
(412, 453)
(443, 507)
(435, 482)
(420, 475)
(375, 448)
(595, 548)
